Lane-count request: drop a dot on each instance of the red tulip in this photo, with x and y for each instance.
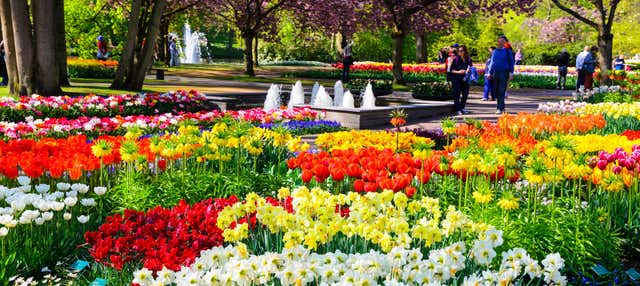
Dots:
(307, 176)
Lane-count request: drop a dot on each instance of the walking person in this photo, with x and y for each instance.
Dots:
(500, 72)
(347, 59)
(579, 62)
(3, 66)
(442, 55)
(460, 67)
(518, 57)
(103, 52)
(448, 63)
(589, 67)
(563, 68)
(174, 54)
(487, 81)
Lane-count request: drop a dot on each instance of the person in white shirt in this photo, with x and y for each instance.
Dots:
(579, 62)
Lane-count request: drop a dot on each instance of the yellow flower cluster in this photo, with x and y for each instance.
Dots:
(593, 143)
(220, 143)
(357, 139)
(387, 219)
(612, 109)
(555, 160)
(486, 161)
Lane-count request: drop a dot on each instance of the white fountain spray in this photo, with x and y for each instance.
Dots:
(272, 101)
(369, 100)
(323, 98)
(348, 100)
(191, 46)
(297, 95)
(338, 93)
(314, 93)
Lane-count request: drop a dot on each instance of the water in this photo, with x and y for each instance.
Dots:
(338, 93)
(368, 100)
(191, 46)
(297, 95)
(273, 98)
(314, 92)
(348, 100)
(323, 98)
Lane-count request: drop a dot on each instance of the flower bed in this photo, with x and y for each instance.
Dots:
(89, 68)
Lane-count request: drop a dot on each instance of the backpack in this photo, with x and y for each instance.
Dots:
(472, 75)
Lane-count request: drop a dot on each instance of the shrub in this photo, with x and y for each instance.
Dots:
(380, 87)
(440, 90)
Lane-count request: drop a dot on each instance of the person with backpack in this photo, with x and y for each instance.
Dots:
(500, 72)
(589, 67)
(460, 68)
(174, 53)
(102, 53)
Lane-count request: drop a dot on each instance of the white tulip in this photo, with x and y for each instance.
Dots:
(39, 221)
(4, 231)
(90, 202)
(83, 219)
(47, 216)
(80, 188)
(63, 186)
(100, 190)
(18, 205)
(42, 188)
(24, 180)
(70, 201)
(67, 216)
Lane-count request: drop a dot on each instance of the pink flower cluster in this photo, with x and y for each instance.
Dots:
(111, 125)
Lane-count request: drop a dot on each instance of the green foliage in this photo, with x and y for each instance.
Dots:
(538, 81)
(378, 46)
(432, 91)
(298, 43)
(85, 20)
(546, 54)
(380, 87)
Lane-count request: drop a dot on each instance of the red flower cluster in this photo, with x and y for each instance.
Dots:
(371, 168)
(159, 237)
(631, 134)
(55, 156)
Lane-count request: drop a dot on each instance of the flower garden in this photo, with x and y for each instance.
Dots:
(158, 189)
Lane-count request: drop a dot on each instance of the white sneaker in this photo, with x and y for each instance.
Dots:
(499, 111)
(459, 112)
(484, 99)
(464, 111)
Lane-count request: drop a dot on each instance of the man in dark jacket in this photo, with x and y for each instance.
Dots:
(563, 66)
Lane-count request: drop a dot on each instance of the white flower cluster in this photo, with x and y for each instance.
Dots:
(562, 107)
(298, 266)
(27, 204)
(583, 94)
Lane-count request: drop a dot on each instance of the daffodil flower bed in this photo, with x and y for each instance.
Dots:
(356, 139)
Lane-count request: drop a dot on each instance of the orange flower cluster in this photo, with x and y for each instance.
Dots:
(489, 135)
(107, 63)
(541, 123)
(54, 157)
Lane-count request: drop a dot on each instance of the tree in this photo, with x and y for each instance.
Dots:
(173, 8)
(250, 18)
(142, 34)
(32, 50)
(602, 24)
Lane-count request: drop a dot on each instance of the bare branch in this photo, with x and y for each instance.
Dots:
(575, 14)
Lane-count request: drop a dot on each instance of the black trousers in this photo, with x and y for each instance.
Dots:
(346, 66)
(460, 92)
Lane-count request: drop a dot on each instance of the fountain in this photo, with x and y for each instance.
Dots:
(323, 98)
(314, 92)
(368, 100)
(191, 46)
(338, 93)
(348, 101)
(297, 95)
(273, 98)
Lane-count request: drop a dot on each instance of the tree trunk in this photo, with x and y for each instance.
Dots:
(23, 42)
(61, 45)
(9, 46)
(46, 70)
(398, 45)
(605, 46)
(163, 47)
(146, 56)
(421, 48)
(255, 53)
(248, 53)
(230, 38)
(126, 61)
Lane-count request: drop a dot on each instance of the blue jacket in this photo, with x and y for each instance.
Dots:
(501, 61)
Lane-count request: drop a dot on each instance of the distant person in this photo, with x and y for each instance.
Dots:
(452, 55)
(618, 63)
(487, 81)
(518, 57)
(442, 55)
(3, 66)
(347, 59)
(174, 54)
(460, 67)
(579, 62)
(563, 68)
(589, 67)
(500, 72)
(103, 53)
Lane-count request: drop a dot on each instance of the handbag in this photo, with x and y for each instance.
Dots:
(472, 75)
